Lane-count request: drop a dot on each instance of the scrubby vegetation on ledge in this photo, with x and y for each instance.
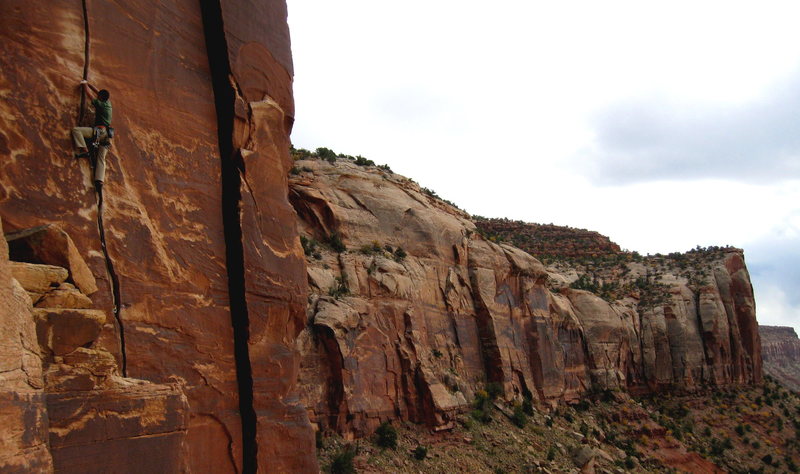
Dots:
(739, 430)
(331, 156)
(601, 266)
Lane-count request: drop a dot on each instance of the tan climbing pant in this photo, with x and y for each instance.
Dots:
(79, 136)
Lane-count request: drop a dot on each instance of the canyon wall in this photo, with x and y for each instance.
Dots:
(199, 277)
(412, 311)
(780, 350)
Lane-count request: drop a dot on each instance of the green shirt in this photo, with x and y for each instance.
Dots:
(102, 112)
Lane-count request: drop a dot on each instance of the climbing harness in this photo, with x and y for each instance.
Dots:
(97, 137)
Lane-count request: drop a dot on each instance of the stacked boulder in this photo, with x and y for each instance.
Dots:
(75, 412)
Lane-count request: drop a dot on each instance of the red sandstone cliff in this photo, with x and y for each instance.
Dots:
(780, 350)
(414, 337)
(201, 282)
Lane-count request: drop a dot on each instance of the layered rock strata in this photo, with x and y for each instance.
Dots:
(780, 350)
(23, 405)
(202, 95)
(412, 311)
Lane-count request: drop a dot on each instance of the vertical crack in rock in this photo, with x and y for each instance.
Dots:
(231, 166)
(115, 287)
(490, 349)
(86, 57)
(700, 329)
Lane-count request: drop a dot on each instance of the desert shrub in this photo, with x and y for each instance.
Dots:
(716, 447)
(468, 422)
(627, 446)
(339, 288)
(688, 427)
(310, 247)
(739, 430)
(437, 353)
(767, 459)
(361, 161)
(481, 415)
(420, 453)
(430, 192)
(373, 248)
(727, 444)
(326, 154)
(335, 242)
(519, 418)
(319, 440)
(629, 462)
(342, 462)
(527, 405)
(481, 400)
(494, 389)
(551, 453)
(585, 283)
(386, 436)
(399, 254)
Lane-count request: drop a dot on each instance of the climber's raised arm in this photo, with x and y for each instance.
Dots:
(91, 90)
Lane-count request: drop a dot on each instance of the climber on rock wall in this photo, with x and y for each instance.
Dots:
(101, 133)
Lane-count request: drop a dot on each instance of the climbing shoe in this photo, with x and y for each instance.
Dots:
(82, 155)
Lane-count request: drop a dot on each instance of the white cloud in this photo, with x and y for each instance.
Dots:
(489, 104)
(774, 309)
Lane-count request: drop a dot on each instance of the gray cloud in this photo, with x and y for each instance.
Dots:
(776, 263)
(654, 139)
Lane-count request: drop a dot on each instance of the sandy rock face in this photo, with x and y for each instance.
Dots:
(415, 337)
(197, 88)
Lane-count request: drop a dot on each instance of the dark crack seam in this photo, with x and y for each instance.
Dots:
(115, 287)
(231, 169)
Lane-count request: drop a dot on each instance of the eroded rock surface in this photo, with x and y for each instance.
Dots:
(69, 410)
(414, 333)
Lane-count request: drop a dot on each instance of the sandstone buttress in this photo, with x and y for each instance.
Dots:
(170, 217)
(415, 337)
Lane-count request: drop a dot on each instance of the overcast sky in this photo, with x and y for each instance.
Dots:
(662, 125)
